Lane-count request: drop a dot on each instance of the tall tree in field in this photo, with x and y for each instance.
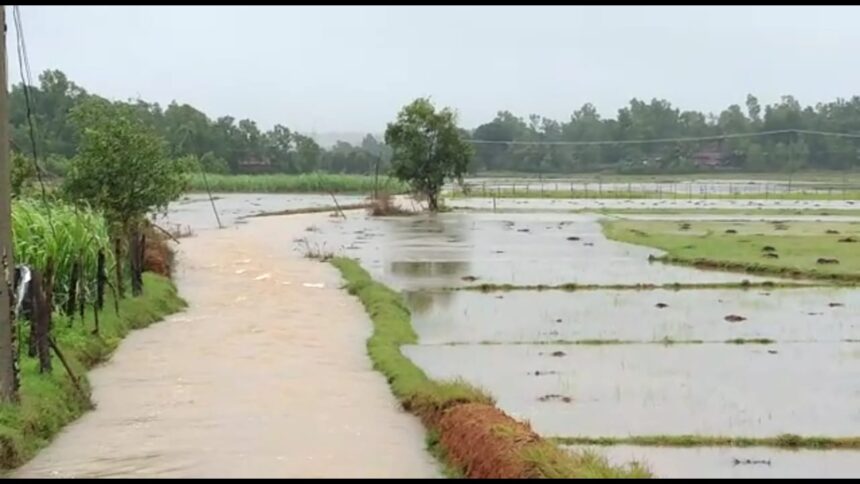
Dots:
(427, 148)
(123, 169)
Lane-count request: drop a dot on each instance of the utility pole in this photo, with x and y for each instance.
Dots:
(376, 178)
(8, 375)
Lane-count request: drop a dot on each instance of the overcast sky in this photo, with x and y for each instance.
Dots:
(343, 69)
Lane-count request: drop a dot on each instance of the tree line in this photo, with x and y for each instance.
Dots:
(221, 145)
(658, 119)
(225, 145)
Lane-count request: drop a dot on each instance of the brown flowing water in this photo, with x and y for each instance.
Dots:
(265, 375)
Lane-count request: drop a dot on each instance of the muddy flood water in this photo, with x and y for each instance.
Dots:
(181, 397)
(264, 375)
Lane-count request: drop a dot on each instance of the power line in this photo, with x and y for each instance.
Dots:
(664, 140)
(24, 68)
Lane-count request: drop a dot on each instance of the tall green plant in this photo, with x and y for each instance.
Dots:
(62, 235)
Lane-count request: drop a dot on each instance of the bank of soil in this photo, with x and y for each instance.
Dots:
(265, 375)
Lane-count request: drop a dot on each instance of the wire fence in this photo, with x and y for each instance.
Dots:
(659, 190)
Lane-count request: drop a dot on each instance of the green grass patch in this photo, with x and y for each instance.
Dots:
(427, 398)
(555, 463)
(750, 341)
(304, 183)
(787, 249)
(50, 401)
(785, 441)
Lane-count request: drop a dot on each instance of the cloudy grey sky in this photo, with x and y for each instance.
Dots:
(351, 68)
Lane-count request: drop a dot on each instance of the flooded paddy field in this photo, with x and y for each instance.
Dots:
(696, 187)
(605, 316)
(730, 462)
(647, 389)
(195, 209)
(609, 362)
(514, 204)
(461, 249)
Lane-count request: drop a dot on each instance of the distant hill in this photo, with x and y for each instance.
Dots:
(327, 140)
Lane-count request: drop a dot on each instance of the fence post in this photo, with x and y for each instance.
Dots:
(73, 291)
(41, 323)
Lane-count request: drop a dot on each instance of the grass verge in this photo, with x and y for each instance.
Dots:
(304, 183)
(460, 418)
(784, 441)
(605, 342)
(50, 401)
(677, 286)
(806, 250)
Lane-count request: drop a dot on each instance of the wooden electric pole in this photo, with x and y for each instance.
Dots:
(8, 375)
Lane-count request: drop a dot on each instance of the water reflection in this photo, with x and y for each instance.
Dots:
(428, 268)
(428, 302)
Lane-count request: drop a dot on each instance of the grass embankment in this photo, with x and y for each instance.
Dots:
(812, 250)
(50, 401)
(304, 183)
(466, 430)
(604, 342)
(675, 286)
(785, 441)
(534, 192)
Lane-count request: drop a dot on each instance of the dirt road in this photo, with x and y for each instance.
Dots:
(265, 375)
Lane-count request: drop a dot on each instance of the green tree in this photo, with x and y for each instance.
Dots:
(756, 159)
(427, 148)
(308, 154)
(212, 163)
(22, 174)
(753, 109)
(122, 168)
